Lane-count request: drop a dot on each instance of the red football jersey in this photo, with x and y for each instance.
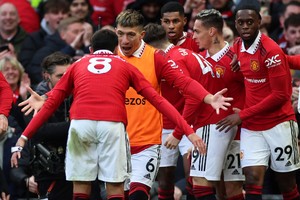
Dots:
(187, 42)
(268, 84)
(98, 83)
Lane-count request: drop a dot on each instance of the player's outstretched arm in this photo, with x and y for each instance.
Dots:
(218, 101)
(33, 103)
(16, 151)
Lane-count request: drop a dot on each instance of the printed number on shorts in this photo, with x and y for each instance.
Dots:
(195, 155)
(105, 62)
(231, 158)
(150, 166)
(204, 64)
(287, 150)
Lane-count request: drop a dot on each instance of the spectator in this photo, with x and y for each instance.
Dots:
(292, 34)
(54, 11)
(150, 9)
(18, 81)
(82, 9)
(10, 31)
(292, 7)
(29, 18)
(70, 38)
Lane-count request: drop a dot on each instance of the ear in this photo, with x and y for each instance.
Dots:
(212, 31)
(143, 34)
(91, 50)
(184, 20)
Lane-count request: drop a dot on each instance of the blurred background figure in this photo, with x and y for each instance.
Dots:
(10, 30)
(53, 12)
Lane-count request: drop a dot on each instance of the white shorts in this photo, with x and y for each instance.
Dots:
(145, 166)
(169, 157)
(280, 143)
(232, 167)
(210, 165)
(97, 148)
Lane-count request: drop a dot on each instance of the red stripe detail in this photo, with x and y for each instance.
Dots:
(253, 189)
(292, 195)
(201, 191)
(165, 194)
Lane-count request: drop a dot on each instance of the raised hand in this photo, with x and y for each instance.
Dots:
(220, 102)
(33, 103)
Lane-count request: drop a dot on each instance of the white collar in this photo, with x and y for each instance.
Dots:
(103, 52)
(139, 52)
(216, 57)
(253, 48)
(182, 39)
(169, 48)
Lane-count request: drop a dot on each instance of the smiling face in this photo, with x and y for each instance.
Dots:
(247, 23)
(11, 74)
(129, 38)
(9, 18)
(79, 8)
(173, 24)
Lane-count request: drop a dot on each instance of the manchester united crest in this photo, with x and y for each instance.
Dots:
(220, 70)
(254, 65)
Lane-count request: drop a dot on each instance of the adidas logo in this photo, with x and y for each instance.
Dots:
(288, 163)
(148, 176)
(235, 172)
(193, 167)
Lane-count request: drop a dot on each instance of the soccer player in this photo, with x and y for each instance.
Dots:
(208, 35)
(189, 62)
(173, 21)
(97, 135)
(144, 121)
(269, 128)
(208, 31)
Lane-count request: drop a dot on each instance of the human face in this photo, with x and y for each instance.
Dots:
(247, 24)
(9, 18)
(72, 31)
(11, 74)
(129, 38)
(292, 35)
(79, 8)
(150, 10)
(57, 74)
(218, 4)
(291, 9)
(201, 35)
(53, 19)
(173, 24)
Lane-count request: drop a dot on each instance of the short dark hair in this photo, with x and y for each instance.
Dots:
(54, 6)
(154, 33)
(172, 7)
(292, 20)
(248, 5)
(291, 3)
(104, 39)
(57, 58)
(211, 18)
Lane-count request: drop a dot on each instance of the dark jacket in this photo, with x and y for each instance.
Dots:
(16, 41)
(53, 43)
(30, 46)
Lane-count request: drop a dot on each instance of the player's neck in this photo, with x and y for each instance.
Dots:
(217, 45)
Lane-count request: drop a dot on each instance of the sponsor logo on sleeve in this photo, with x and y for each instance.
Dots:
(273, 61)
